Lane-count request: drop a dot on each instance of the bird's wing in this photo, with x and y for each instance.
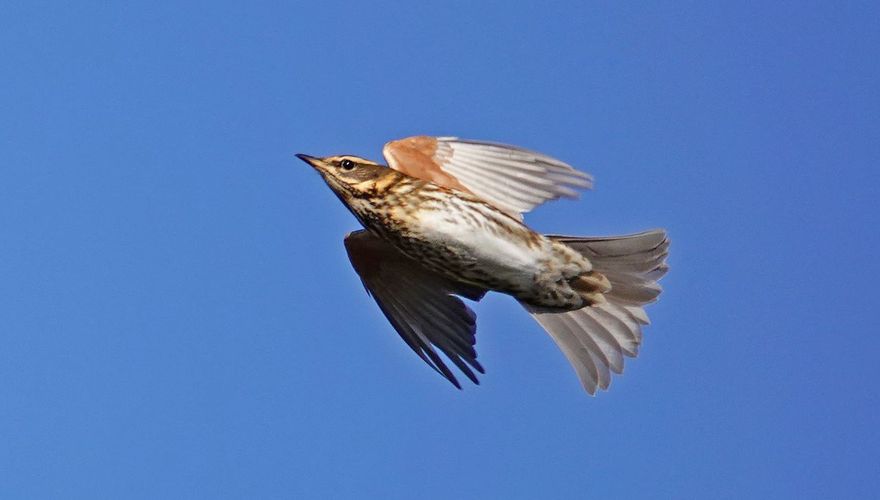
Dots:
(512, 179)
(419, 304)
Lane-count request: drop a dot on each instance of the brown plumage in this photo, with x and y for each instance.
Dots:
(445, 220)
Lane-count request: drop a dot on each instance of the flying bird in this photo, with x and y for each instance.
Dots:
(444, 220)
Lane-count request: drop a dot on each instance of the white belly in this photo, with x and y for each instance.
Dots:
(503, 256)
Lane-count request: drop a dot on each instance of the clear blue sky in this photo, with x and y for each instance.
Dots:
(178, 318)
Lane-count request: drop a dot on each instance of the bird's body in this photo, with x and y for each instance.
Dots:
(466, 239)
(431, 235)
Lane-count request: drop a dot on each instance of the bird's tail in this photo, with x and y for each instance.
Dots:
(596, 338)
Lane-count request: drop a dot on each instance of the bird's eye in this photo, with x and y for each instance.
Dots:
(346, 164)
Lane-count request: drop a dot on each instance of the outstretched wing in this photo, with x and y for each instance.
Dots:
(512, 179)
(420, 304)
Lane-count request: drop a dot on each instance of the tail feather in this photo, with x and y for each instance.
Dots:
(596, 338)
(632, 263)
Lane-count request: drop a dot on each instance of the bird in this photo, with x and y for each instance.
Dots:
(443, 221)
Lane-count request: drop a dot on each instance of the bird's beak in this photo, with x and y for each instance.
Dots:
(311, 160)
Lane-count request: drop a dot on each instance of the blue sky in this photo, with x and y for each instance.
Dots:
(178, 318)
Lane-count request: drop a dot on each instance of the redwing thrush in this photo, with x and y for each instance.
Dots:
(445, 221)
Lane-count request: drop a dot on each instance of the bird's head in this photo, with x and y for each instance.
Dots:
(348, 176)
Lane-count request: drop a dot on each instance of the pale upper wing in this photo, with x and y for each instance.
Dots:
(512, 179)
(420, 304)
